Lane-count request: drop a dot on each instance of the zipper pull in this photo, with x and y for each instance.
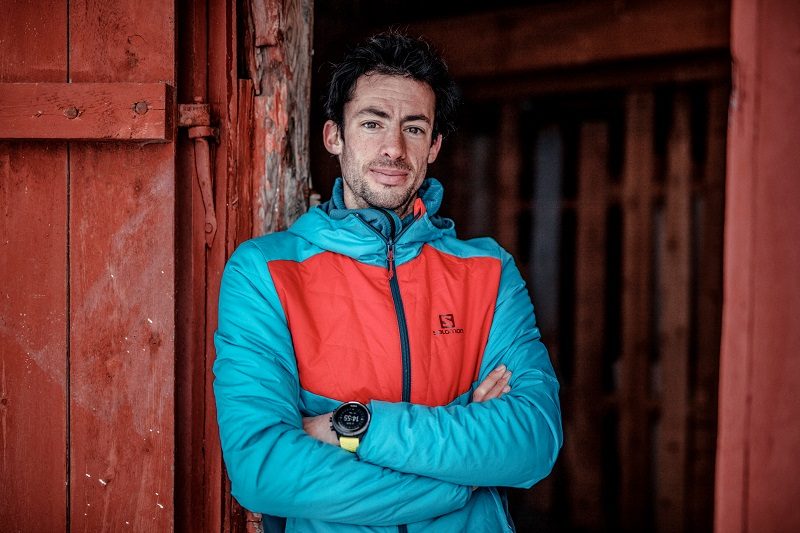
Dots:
(390, 259)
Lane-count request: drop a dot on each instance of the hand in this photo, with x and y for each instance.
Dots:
(494, 386)
(319, 427)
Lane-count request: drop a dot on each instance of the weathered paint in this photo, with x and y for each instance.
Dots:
(92, 111)
(759, 436)
(281, 78)
(121, 285)
(33, 287)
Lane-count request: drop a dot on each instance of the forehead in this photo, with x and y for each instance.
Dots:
(392, 93)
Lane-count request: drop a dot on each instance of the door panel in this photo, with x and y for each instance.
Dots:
(33, 297)
(122, 198)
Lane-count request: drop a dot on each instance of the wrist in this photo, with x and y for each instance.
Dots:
(349, 422)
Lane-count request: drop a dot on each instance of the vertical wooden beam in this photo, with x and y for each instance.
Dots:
(585, 462)
(193, 454)
(674, 297)
(279, 62)
(757, 461)
(122, 289)
(263, 155)
(700, 487)
(509, 164)
(223, 93)
(33, 286)
(544, 259)
(636, 310)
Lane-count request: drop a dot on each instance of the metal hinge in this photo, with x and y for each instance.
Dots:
(196, 118)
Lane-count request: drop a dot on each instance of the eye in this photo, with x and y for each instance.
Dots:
(415, 130)
(370, 125)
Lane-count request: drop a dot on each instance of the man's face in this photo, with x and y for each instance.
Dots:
(387, 143)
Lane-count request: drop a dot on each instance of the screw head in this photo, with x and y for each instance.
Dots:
(71, 112)
(140, 108)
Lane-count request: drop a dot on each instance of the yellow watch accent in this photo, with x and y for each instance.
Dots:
(349, 443)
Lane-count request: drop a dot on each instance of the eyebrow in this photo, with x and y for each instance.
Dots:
(383, 114)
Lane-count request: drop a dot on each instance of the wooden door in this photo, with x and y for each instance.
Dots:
(87, 297)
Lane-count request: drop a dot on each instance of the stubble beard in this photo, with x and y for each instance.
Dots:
(397, 199)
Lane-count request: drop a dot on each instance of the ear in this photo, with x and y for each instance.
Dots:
(331, 137)
(435, 147)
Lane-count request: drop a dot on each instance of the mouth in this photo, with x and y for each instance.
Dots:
(389, 176)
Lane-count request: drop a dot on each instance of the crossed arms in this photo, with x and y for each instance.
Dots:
(415, 462)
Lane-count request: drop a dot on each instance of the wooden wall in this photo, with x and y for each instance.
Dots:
(758, 462)
(88, 270)
(599, 162)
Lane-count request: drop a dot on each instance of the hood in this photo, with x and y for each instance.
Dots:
(363, 234)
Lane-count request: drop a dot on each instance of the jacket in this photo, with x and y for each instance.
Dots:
(408, 319)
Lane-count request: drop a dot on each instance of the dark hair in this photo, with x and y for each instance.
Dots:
(395, 54)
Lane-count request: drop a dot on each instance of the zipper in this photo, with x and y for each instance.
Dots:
(402, 325)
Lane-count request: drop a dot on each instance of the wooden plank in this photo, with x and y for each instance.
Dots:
(577, 33)
(509, 166)
(86, 111)
(33, 328)
(763, 254)
(122, 288)
(636, 309)
(282, 82)
(736, 348)
(33, 286)
(700, 487)
(192, 505)
(673, 328)
(222, 91)
(585, 462)
(599, 77)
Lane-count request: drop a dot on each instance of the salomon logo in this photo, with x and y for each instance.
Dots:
(447, 321)
(448, 326)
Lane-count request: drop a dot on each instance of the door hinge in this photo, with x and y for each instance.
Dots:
(196, 118)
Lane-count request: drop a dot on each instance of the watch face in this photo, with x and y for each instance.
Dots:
(351, 419)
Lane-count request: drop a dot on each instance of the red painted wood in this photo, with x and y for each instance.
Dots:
(757, 459)
(223, 50)
(122, 285)
(33, 254)
(191, 505)
(109, 111)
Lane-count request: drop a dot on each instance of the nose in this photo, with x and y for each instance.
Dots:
(394, 146)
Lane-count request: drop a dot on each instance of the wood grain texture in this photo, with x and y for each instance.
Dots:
(559, 35)
(757, 459)
(590, 288)
(86, 111)
(122, 285)
(673, 325)
(282, 82)
(636, 310)
(223, 53)
(33, 286)
(708, 322)
(509, 167)
(193, 500)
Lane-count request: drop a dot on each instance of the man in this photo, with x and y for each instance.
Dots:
(373, 371)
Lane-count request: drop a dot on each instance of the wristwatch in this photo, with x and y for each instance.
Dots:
(350, 421)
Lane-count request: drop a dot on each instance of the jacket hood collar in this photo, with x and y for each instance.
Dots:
(363, 233)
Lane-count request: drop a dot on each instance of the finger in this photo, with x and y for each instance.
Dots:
(499, 387)
(488, 383)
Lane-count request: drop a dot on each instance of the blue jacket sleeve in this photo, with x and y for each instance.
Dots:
(509, 441)
(274, 466)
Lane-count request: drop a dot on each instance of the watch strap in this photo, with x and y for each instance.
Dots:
(349, 443)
